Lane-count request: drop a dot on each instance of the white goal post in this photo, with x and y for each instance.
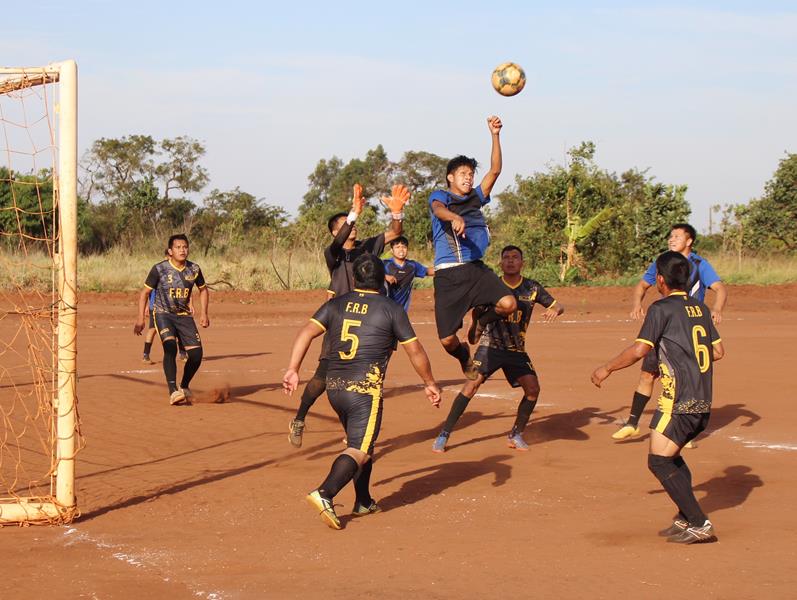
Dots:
(49, 498)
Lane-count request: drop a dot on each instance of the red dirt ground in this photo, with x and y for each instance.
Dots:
(208, 501)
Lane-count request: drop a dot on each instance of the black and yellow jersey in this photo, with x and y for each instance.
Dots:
(680, 330)
(173, 286)
(361, 330)
(509, 333)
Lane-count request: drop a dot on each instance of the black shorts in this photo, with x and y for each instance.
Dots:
(514, 364)
(321, 369)
(361, 417)
(680, 428)
(180, 327)
(650, 364)
(458, 289)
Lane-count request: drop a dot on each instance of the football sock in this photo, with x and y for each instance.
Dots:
(461, 353)
(637, 406)
(361, 483)
(524, 410)
(343, 470)
(170, 364)
(147, 348)
(191, 366)
(457, 408)
(180, 347)
(677, 482)
(314, 388)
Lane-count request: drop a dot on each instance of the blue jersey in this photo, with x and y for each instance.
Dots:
(404, 274)
(449, 247)
(152, 300)
(701, 276)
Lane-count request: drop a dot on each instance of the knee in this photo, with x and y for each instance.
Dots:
(170, 347)
(450, 343)
(506, 305)
(662, 467)
(194, 354)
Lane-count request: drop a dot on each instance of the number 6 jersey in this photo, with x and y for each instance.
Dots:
(680, 329)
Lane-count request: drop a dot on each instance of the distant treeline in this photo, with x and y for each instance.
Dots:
(574, 221)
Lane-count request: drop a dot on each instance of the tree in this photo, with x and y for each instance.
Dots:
(26, 207)
(772, 218)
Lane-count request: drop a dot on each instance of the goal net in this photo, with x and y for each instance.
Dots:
(39, 428)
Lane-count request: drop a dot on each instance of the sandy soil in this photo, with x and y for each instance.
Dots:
(208, 501)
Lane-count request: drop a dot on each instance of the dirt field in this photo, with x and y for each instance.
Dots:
(208, 501)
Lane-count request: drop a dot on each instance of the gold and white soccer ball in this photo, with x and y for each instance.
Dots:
(508, 79)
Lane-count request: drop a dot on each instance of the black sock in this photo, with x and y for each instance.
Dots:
(191, 366)
(147, 348)
(170, 364)
(524, 410)
(676, 479)
(637, 406)
(341, 473)
(461, 353)
(488, 316)
(457, 408)
(312, 391)
(362, 482)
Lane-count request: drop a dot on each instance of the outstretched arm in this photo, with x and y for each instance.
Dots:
(719, 303)
(441, 212)
(420, 362)
(143, 303)
(496, 161)
(637, 312)
(626, 358)
(300, 346)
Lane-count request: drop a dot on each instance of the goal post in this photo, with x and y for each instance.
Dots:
(39, 425)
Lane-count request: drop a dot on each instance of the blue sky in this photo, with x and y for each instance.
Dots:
(701, 94)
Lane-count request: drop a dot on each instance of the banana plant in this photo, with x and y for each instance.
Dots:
(577, 231)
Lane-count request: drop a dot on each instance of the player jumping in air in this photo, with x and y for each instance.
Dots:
(460, 236)
(701, 277)
(172, 280)
(680, 331)
(400, 272)
(503, 346)
(362, 327)
(340, 256)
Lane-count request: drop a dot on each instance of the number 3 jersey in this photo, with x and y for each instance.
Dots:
(173, 286)
(680, 329)
(361, 330)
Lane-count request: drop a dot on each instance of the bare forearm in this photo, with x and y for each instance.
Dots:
(721, 293)
(395, 230)
(420, 362)
(204, 300)
(496, 159)
(627, 357)
(302, 343)
(143, 299)
(442, 213)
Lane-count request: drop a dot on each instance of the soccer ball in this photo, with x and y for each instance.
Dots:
(508, 79)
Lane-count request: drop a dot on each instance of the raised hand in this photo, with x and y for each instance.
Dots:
(494, 124)
(399, 196)
(357, 202)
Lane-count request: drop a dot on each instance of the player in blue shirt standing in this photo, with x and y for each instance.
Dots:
(401, 271)
(702, 276)
(460, 237)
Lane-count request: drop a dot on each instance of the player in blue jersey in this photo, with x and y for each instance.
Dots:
(460, 236)
(702, 276)
(401, 271)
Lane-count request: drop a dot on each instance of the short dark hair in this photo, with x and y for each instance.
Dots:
(400, 240)
(333, 219)
(369, 272)
(175, 237)
(674, 268)
(457, 162)
(511, 247)
(690, 231)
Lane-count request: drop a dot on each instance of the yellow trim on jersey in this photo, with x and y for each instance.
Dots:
(677, 293)
(551, 304)
(204, 285)
(318, 323)
(330, 292)
(174, 266)
(716, 341)
(376, 396)
(149, 288)
(409, 340)
(365, 291)
(648, 342)
(509, 285)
